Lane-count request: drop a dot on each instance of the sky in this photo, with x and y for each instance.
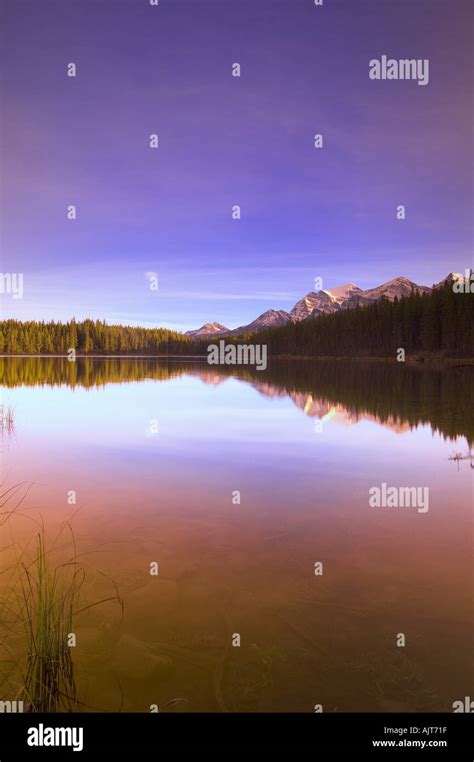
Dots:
(306, 213)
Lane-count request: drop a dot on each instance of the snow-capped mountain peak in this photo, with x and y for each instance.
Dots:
(321, 302)
(392, 289)
(340, 293)
(316, 303)
(451, 278)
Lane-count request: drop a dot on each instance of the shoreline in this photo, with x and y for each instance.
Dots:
(420, 360)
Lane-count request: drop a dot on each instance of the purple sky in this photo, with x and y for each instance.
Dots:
(306, 213)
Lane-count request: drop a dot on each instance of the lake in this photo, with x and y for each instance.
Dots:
(278, 586)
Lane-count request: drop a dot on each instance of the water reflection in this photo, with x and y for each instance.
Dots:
(164, 494)
(398, 396)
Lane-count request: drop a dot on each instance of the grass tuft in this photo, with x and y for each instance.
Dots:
(50, 597)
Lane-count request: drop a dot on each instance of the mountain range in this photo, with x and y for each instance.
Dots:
(324, 302)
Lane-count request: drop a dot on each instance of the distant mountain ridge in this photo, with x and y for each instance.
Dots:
(209, 329)
(324, 302)
(267, 319)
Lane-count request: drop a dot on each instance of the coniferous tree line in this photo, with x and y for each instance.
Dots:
(437, 322)
(87, 337)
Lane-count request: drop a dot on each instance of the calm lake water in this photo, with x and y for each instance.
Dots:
(156, 451)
